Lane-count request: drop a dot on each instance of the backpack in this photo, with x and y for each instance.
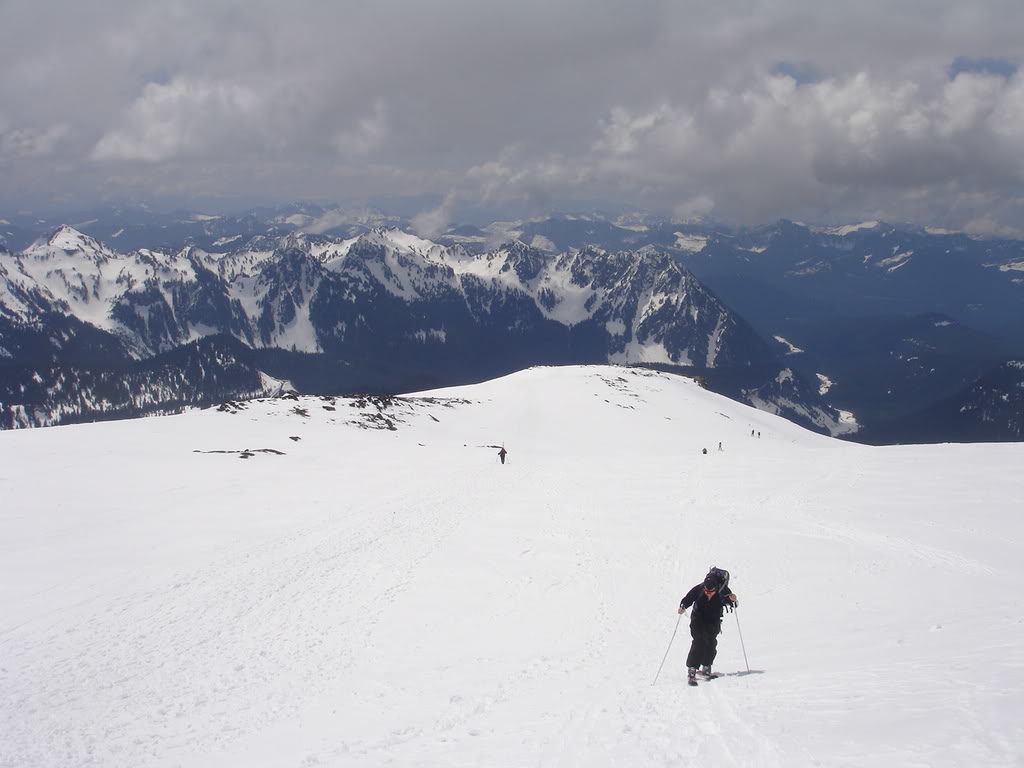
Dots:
(720, 576)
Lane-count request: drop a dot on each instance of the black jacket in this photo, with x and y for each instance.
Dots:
(705, 610)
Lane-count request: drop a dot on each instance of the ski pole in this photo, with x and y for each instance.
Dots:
(736, 613)
(669, 647)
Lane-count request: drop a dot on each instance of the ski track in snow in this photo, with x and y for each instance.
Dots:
(175, 652)
(399, 598)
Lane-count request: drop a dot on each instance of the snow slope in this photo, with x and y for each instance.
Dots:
(373, 597)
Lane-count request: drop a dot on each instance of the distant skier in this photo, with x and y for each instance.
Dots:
(502, 454)
(704, 451)
(708, 600)
(720, 446)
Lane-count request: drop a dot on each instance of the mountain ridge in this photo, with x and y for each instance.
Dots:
(808, 291)
(387, 294)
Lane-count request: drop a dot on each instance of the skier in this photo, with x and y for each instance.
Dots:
(502, 453)
(720, 446)
(708, 599)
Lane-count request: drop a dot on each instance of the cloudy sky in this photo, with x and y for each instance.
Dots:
(743, 110)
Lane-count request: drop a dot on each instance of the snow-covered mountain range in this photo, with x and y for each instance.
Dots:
(358, 582)
(872, 320)
(273, 293)
(384, 309)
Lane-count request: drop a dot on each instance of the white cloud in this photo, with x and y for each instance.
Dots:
(1007, 118)
(987, 226)
(366, 135)
(695, 207)
(514, 174)
(772, 148)
(329, 220)
(32, 141)
(183, 117)
(797, 142)
(433, 222)
(499, 175)
(623, 133)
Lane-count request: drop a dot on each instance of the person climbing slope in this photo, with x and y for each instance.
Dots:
(708, 599)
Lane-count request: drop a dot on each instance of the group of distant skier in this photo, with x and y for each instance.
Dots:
(720, 448)
(503, 453)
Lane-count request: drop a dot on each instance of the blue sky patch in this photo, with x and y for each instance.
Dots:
(804, 72)
(989, 66)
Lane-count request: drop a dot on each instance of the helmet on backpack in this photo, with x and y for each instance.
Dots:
(716, 579)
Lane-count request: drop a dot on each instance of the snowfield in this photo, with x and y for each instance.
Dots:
(369, 596)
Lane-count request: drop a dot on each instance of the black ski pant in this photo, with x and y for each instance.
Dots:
(705, 643)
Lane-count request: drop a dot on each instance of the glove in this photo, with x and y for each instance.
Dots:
(682, 611)
(731, 603)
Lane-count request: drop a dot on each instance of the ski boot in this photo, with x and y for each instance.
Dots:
(706, 672)
(691, 676)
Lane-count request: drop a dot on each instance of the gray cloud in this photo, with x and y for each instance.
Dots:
(745, 110)
(434, 221)
(30, 142)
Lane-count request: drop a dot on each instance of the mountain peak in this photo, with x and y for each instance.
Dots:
(408, 241)
(397, 239)
(70, 239)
